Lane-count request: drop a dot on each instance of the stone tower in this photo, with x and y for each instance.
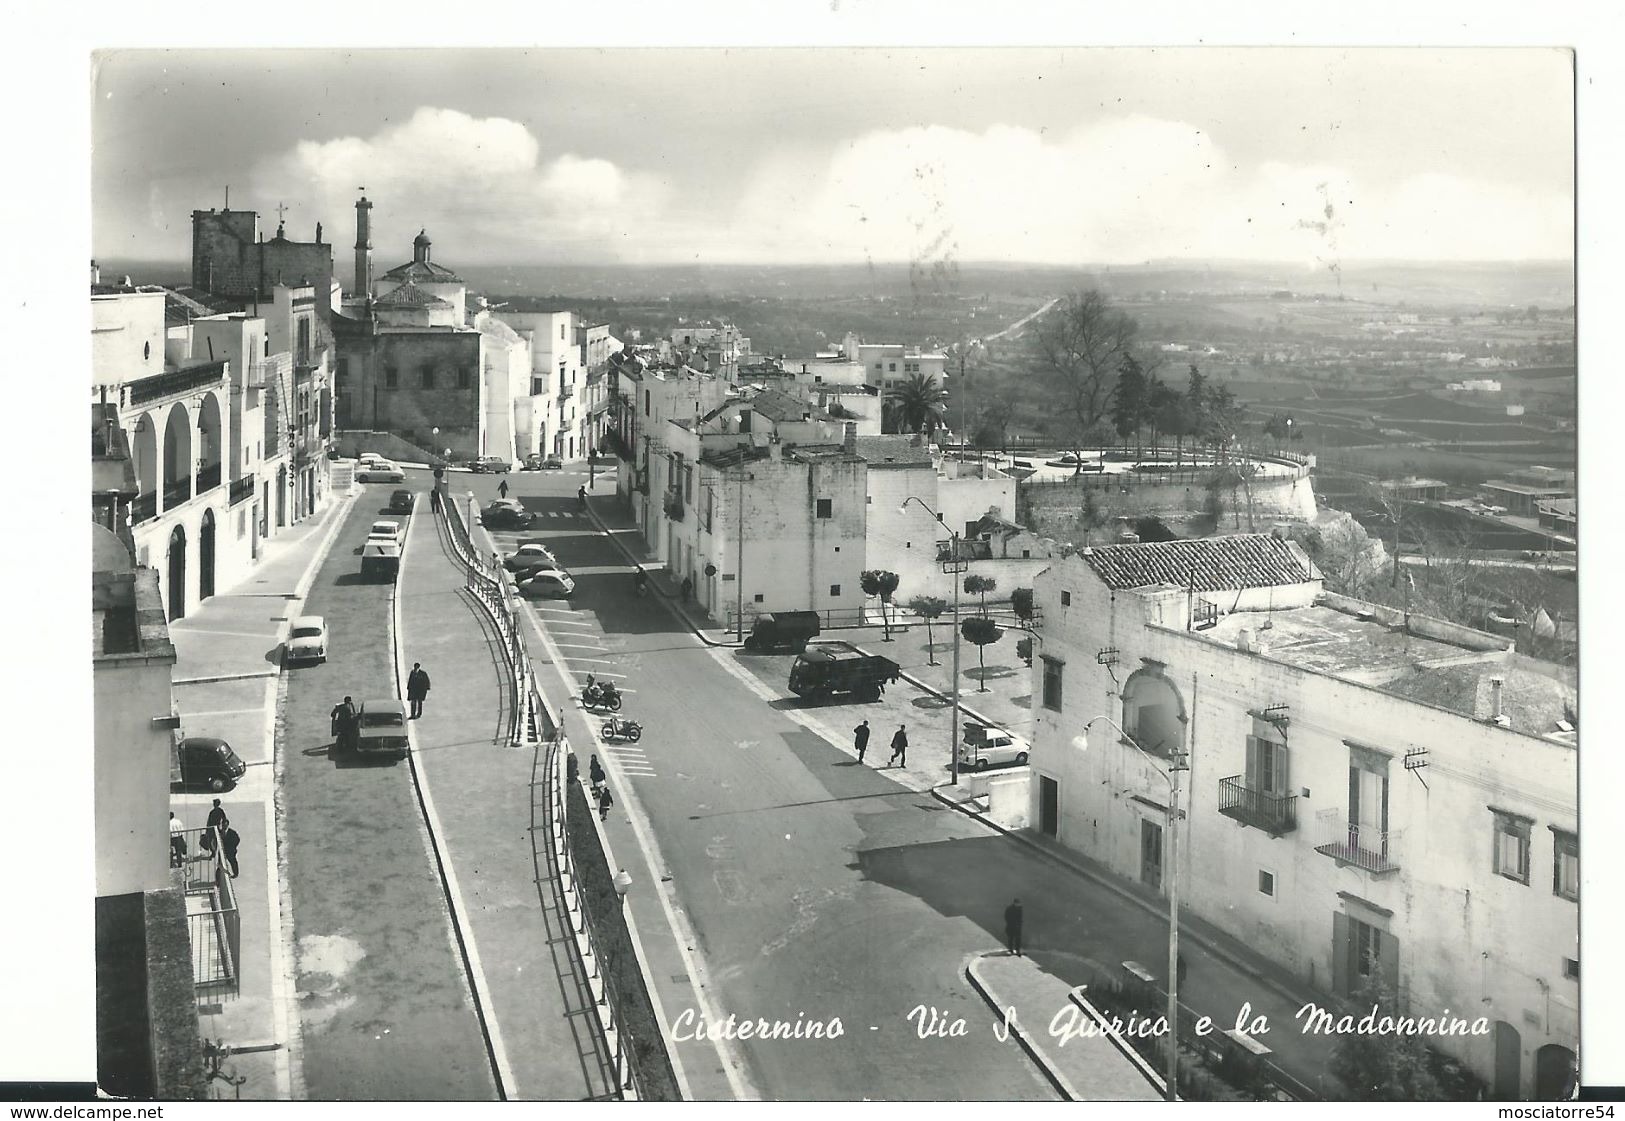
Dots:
(363, 248)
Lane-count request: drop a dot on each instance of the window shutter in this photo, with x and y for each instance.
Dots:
(1251, 777)
(1340, 953)
(1388, 961)
(1354, 797)
(1279, 777)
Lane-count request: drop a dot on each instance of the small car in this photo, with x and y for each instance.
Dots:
(379, 471)
(391, 530)
(381, 728)
(369, 459)
(986, 747)
(489, 465)
(207, 761)
(530, 557)
(552, 463)
(402, 502)
(506, 515)
(547, 583)
(307, 639)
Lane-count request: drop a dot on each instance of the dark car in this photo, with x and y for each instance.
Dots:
(489, 465)
(822, 672)
(783, 630)
(552, 463)
(401, 502)
(506, 515)
(206, 761)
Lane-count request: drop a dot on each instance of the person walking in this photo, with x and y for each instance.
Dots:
(604, 803)
(899, 747)
(581, 496)
(417, 688)
(1012, 927)
(229, 842)
(572, 770)
(177, 843)
(595, 774)
(502, 488)
(434, 498)
(860, 739)
(343, 717)
(688, 588)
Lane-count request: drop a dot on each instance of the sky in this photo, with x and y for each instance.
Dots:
(842, 154)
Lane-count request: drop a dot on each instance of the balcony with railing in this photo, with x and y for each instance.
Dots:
(208, 478)
(1275, 814)
(1363, 846)
(173, 383)
(177, 492)
(144, 508)
(242, 489)
(566, 391)
(673, 505)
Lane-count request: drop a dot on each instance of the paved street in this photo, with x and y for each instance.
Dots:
(384, 1001)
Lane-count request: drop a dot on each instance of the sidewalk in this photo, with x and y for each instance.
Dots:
(481, 791)
(227, 666)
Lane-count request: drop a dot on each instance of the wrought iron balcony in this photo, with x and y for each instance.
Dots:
(673, 504)
(173, 382)
(144, 509)
(208, 478)
(1360, 845)
(1275, 814)
(177, 492)
(242, 489)
(566, 391)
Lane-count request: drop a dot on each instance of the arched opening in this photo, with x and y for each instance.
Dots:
(205, 556)
(144, 447)
(1154, 712)
(209, 443)
(1508, 1062)
(177, 457)
(282, 496)
(177, 573)
(1555, 1077)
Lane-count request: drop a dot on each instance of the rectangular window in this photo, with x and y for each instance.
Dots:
(826, 507)
(1266, 764)
(891, 367)
(1571, 968)
(391, 377)
(428, 377)
(1368, 800)
(1066, 599)
(1365, 952)
(1266, 883)
(834, 589)
(688, 485)
(758, 597)
(1566, 867)
(1052, 682)
(1512, 846)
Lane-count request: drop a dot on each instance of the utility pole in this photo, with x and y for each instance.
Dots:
(739, 563)
(953, 734)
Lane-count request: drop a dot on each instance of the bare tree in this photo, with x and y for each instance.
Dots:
(1080, 346)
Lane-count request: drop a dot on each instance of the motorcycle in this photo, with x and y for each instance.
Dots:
(601, 696)
(616, 728)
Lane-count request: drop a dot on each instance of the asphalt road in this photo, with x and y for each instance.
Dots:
(816, 888)
(384, 1002)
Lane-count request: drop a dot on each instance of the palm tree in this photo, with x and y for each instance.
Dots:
(917, 404)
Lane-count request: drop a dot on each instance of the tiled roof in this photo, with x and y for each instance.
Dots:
(893, 451)
(1208, 564)
(733, 456)
(423, 272)
(777, 406)
(410, 295)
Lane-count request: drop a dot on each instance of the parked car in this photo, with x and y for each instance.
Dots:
(783, 629)
(985, 747)
(389, 529)
(368, 459)
(489, 465)
(382, 729)
(823, 671)
(307, 639)
(379, 471)
(552, 463)
(547, 583)
(402, 502)
(506, 515)
(206, 761)
(380, 558)
(529, 558)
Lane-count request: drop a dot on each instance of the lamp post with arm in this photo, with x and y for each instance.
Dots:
(1171, 777)
(951, 566)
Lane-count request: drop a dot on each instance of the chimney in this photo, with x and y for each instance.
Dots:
(1497, 717)
(849, 443)
(363, 249)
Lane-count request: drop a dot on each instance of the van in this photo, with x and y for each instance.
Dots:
(207, 761)
(790, 629)
(380, 558)
(823, 671)
(985, 747)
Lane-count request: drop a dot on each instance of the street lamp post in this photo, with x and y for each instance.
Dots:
(1172, 779)
(951, 567)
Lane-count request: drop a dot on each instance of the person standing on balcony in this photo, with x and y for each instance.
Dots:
(177, 843)
(229, 843)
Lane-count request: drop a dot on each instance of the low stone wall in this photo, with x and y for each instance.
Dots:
(1189, 502)
(357, 441)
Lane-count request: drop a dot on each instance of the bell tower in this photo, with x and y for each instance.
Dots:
(363, 248)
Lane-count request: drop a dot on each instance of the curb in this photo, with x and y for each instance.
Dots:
(671, 603)
(250, 676)
(1185, 933)
(1123, 1046)
(1034, 1052)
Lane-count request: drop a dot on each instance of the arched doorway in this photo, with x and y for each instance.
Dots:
(177, 455)
(209, 443)
(1554, 1073)
(177, 573)
(205, 556)
(1508, 1062)
(281, 496)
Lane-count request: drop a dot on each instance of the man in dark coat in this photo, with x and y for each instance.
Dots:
(229, 842)
(502, 488)
(899, 747)
(595, 773)
(344, 725)
(217, 824)
(1012, 927)
(604, 802)
(417, 688)
(860, 739)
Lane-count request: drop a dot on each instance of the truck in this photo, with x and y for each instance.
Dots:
(821, 672)
(380, 558)
(780, 629)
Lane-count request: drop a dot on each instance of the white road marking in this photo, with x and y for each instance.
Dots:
(271, 637)
(270, 684)
(581, 645)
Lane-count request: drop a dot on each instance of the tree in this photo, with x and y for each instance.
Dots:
(1161, 404)
(983, 632)
(1128, 399)
(928, 608)
(918, 404)
(1277, 428)
(1021, 602)
(879, 582)
(1081, 345)
(1383, 1066)
(980, 585)
(1091, 515)
(1024, 650)
(992, 424)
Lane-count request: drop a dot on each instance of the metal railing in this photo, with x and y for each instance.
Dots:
(1363, 846)
(242, 488)
(144, 508)
(208, 478)
(488, 584)
(178, 492)
(897, 616)
(1274, 813)
(146, 390)
(213, 922)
